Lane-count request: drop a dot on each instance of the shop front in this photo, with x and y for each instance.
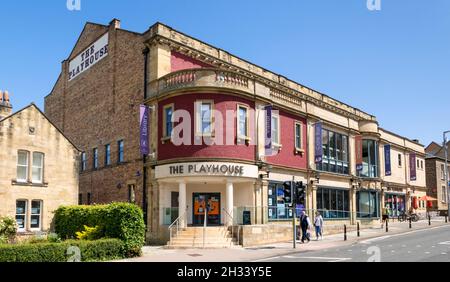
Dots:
(395, 203)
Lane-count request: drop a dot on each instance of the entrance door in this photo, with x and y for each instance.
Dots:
(201, 202)
(174, 200)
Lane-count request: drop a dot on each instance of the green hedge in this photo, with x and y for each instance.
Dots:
(118, 220)
(100, 250)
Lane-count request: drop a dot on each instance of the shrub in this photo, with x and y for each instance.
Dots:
(100, 250)
(8, 229)
(118, 220)
(90, 233)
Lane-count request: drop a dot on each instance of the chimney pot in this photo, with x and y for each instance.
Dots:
(115, 23)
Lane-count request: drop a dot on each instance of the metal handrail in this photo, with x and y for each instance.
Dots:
(177, 224)
(232, 226)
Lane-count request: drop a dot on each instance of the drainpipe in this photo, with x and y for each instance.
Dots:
(145, 52)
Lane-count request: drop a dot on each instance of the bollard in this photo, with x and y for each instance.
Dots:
(410, 223)
(429, 219)
(387, 225)
(446, 219)
(345, 232)
(358, 231)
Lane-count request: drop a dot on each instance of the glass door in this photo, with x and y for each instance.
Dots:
(209, 203)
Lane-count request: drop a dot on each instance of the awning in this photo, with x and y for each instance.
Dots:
(427, 198)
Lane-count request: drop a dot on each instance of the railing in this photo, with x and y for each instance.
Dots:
(229, 218)
(175, 226)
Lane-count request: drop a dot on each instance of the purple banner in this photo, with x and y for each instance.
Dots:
(318, 146)
(268, 141)
(387, 160)
(144, 136)
(412, 167)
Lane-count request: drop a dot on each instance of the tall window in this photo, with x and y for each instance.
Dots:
(333, 203)
(443, 172)
(120, 156)
(444, 195)
(276, 129)
(298, 136)
(89, 198)
(38, 167)
(83, 161)
(370, 159)
(107, 154)
(168, 124)
(399, 160)
(36, 214)
(21, 214)
(242, 122)
(95, 158)
(80, 199)
(22, 166)
(204, 117)
(335, 152)
(367, 204)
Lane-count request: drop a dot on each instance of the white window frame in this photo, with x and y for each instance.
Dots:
(27, 167)
(120, 152)
(245, 137)
(41, 167)
(297, 148)
(95, 163)
(107, 154)
(25, 217)
(276, 144)
(166, 137)
(83, 161)
(40, 215)
(442, 172)
(199, 119)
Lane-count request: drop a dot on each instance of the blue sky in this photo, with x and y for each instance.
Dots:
(393, 63)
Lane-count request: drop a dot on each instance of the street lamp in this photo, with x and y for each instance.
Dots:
(446, 172)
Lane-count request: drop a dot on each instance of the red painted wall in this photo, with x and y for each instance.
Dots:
(287, 157)
(183, 62)
(222, 103)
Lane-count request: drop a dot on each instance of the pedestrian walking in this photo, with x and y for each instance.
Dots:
(305, 224)
(385, 216)
(318, 224)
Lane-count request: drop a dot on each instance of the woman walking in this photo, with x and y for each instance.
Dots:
(318, 224)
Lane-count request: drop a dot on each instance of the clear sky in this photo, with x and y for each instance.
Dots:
(393, 63)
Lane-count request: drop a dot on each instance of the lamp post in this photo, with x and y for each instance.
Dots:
(446, 172)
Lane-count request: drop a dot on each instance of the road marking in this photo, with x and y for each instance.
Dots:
(443, 254)
(326, 258)
(427, 253)
(445, 243)
(403, 234)
(403, 246)
(418, 246)
(266, 259)
(369, 241)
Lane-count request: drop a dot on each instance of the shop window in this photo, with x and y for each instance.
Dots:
(21, 215)
(335, 153)
(333, 203)
(367, 204)
(280, 203)
(370, 159)
(395, 204)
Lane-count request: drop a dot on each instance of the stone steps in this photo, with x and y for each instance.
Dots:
(192, 237)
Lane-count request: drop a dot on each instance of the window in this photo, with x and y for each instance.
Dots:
(400, 160)
(242, 122)
(275, 130)
(443, 172)
(88, 198)
(36, 214)
(298, 136)
(120, 156)
(131, 194)
(444, 197)
(204, 118)
(21, 214)
(83, 161)
(167, 121)
(22, 166)
(421, 164)
(370, 159)
(333, 203)
(107, 154)
(95, 158)
(80, 199)
(367, 204)
(335, 152)
(418, 163)
(38, 168)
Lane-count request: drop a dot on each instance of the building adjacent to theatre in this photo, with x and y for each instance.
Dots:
(38, 167)
(222, 131)
(435, 166)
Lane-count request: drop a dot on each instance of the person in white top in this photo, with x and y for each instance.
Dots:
(318, 224)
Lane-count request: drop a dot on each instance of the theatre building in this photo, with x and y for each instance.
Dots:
(220, 140)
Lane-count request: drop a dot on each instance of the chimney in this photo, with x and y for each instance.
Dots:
(417, 141)
(5, 105)
(115, 23)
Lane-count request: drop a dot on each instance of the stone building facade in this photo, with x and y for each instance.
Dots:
(224, 161)
(38, 169)
(435, 168)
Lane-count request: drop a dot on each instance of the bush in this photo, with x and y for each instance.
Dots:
(90, 233)
(118, 220)
(100, 250)
(8, 229)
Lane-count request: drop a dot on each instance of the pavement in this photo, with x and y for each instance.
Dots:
(373, 243)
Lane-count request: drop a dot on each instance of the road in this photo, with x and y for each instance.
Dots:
(429, 245)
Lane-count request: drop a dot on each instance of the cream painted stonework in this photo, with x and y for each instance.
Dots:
(30, 131)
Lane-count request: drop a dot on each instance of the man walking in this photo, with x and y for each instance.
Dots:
(318, 224)
(305, 224)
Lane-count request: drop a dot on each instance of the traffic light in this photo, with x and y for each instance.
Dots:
(300, 193)
(288, 193)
